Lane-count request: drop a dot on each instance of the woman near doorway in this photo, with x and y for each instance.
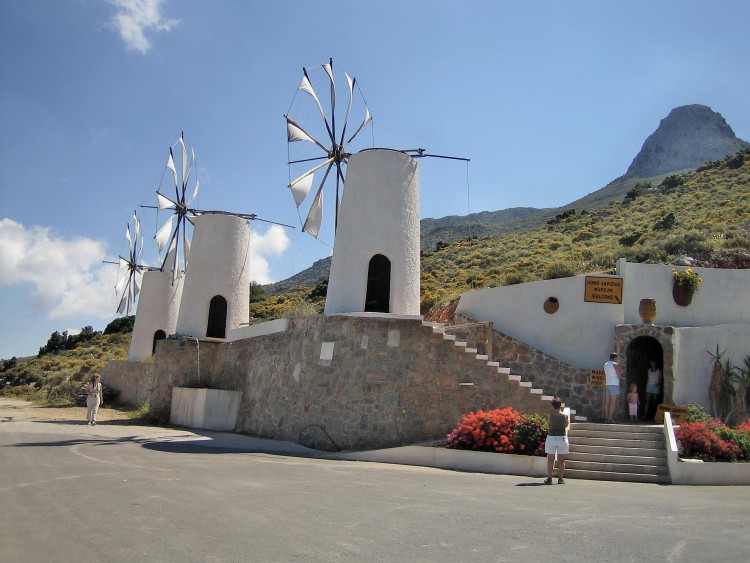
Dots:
(653, 389)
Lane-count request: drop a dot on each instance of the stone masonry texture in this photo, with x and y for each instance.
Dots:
(390, 382)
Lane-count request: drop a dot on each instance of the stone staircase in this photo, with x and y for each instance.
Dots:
(617, 452)
(439, 328)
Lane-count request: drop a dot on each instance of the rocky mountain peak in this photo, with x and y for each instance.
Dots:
(686, 138)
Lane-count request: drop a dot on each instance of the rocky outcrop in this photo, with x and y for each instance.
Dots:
(686, 138)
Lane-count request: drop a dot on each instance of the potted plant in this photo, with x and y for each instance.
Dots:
(685, 284)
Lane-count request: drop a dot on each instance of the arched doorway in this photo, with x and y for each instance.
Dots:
(158, 335)
(378, 297)
(640, 352)
(217, 318)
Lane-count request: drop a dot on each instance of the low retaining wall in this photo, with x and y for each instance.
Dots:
(459, 460)
(696, 472)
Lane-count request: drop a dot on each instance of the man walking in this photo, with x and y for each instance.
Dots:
(612, 392)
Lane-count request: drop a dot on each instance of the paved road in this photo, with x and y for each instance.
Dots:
(70, 492)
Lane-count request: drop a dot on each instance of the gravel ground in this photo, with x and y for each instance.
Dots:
(25, 410)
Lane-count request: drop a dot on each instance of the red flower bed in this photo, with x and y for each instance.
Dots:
(714, 441)
(500, 430)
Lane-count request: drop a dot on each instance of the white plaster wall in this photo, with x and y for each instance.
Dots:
(158, 308)
(379, 214)
(217, 265)
(723, 297)
(212, 409)
(693, 363)
(579, 333)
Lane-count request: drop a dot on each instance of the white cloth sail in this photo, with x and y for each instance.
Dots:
(315, 216)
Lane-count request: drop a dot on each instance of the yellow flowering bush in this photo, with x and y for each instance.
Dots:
(687, 278)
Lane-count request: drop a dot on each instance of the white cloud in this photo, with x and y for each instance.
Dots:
(67, 276)
(273, 242)
(134, 18)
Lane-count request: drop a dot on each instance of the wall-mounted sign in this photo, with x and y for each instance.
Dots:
(678, 413)
(598, 378)
(603, 290)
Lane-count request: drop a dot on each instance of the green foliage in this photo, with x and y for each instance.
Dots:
(58, 342)
(257, 294)
(631, 239)
(665, 223)
(696, 413)
(559, 270)
(55, 378)
(671, 183)
(122, 324)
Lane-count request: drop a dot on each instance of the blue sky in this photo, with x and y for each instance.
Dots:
(549, 100)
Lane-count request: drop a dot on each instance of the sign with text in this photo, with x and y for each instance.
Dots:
(678, 413)
(603, 290)
(598, 378)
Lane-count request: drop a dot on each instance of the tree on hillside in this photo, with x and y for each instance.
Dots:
(122, 324)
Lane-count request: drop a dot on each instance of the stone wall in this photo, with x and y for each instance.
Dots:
(553, 376)
(357, 382)
(131, 379)
(342, 381)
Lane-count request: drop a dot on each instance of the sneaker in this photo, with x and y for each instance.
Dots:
(93, 423)
(561, 481)
(89, 423)
(548, 481)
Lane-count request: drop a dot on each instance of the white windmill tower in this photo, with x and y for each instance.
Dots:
(375, 265)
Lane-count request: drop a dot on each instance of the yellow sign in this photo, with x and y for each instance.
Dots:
(603, 290)
(678, 413)
(598, 378)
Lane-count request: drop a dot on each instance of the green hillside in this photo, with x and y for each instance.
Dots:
(64, 364)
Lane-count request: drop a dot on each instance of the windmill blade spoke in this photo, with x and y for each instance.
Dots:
(329, 71)
(195, 193)
(184, 163)
(306, 86)
(171, 166)
(122, 304)
(301, 189)
(365, 121)
(311, 171)
(315, 216)
(350, 81)
(163, 202)
(163, 235)
(296, 133)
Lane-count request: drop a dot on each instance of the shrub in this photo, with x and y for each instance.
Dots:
(530, 434)
(712, 440)
(501, 431)
(559, 270)
(696, 413)
(703, 440)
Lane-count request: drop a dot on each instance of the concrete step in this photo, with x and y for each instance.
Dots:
(616, 442)
(614, 476)
(595, 450)
(639, 469)
(615, 459)
(632, 428)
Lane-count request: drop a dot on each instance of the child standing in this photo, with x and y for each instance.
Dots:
(633, 403)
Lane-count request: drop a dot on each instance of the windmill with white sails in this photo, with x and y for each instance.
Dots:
(325, 147)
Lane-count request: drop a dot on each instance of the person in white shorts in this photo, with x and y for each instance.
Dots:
(557, 441)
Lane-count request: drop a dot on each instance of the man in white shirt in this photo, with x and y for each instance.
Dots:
(612, 390)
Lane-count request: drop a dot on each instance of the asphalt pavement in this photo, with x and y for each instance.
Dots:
(116, 492)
